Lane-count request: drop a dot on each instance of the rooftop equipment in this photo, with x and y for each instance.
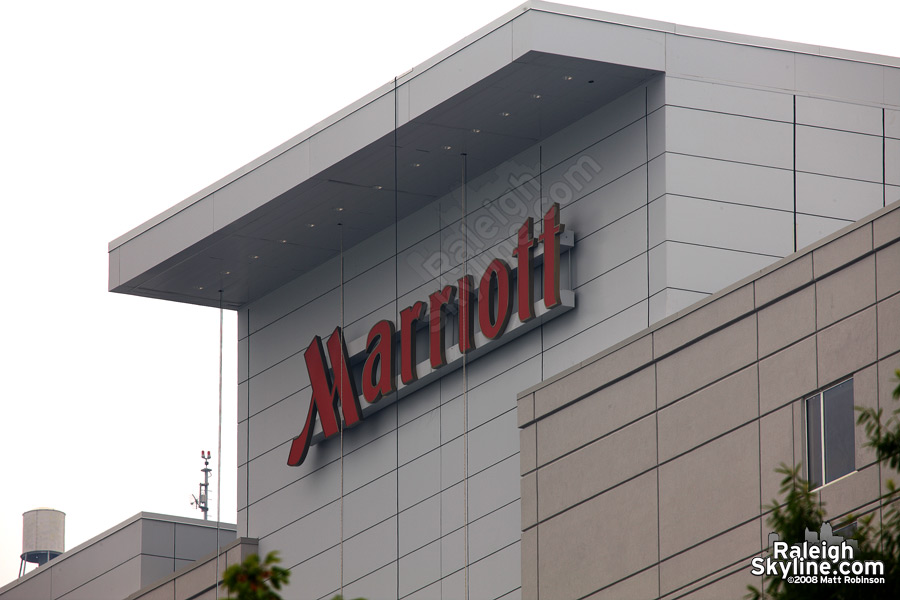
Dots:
(43, 536)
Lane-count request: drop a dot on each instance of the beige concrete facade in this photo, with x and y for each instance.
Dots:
(646, 470)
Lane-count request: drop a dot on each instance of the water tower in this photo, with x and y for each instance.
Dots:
(43, 536)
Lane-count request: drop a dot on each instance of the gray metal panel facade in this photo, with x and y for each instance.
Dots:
(738, 152)
(706, 175)
(121, 561)
(403, 468)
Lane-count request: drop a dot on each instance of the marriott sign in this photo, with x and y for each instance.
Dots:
(490, 303)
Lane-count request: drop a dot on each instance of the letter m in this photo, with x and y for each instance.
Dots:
(326, 393)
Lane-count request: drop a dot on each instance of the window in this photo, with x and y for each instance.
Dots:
(830, 441)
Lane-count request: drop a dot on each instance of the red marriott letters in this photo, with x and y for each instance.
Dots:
(494, 306)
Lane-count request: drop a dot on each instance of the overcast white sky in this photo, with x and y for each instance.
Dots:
(111, 112)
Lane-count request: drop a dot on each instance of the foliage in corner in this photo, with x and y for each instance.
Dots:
(802, 510)
(883, 437)
(252, 580)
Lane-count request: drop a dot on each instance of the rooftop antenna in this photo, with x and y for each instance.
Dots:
(203, 502)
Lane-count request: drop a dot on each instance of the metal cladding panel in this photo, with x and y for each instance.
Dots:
(892, 162)
(419, 525)
(892, 119)
(420, 568)
(370, 550)
(380, 584)
(837, 197)
(733, 100)
(729, 137)
(119, 582)
(839, 153)
(264, 227)
(843, 79)
(723, 225)
(892, 86)
(321, 575)
(419, 436)
(195, 541)
(839, 115)
(595, 338)
(401, 496)
(732, 182)
(102, 556)
(811, 228)
(157, 537)
(403, 467)
(370, 505)
(36, 585)
(563, 35)
(725, 62)
(470, 66)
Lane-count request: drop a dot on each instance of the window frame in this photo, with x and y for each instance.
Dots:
(821, 474)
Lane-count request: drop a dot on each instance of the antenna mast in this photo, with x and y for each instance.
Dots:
(203, 502)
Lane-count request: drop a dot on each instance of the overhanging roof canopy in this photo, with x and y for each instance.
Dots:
(515, 82)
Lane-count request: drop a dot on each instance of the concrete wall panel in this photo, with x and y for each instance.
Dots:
(721, 407)
(568, 552)
(787, 321)
(597, 467)
(596, 415)
(722, 353)
(787, 375)
(846, 346)
(887, 271)
(845, 292)
(888, 326)
(776, 448)
(723, 551)
(708, 490)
